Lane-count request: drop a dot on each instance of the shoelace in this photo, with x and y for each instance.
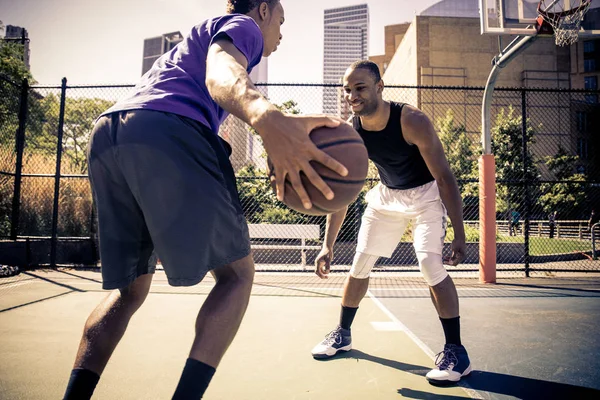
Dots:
(335, 336)
(444, 358)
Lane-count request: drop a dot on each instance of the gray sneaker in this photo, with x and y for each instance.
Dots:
(338, 339)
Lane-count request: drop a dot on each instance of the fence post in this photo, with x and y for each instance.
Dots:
(61, 121)
(525, 181)
(594, 257)
(19, 148)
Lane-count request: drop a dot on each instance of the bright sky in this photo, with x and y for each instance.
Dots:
(101, 41)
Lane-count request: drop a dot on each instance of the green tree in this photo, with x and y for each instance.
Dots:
(12, 73)
(12, 65)
(259, 201)
(80, 114)
(507, 146)
(256, 195)
(460, 153)
(568, 196)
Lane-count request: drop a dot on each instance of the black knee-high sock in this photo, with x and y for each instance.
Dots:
(81, 384)
(347, 316)
(194, 380)
(451, 330)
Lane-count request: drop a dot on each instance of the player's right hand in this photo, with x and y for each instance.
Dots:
(287, 142)
(323, 263)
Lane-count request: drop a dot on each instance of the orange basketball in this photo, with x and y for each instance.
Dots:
(346, 146)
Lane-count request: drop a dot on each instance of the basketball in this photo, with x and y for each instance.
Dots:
(345, 145)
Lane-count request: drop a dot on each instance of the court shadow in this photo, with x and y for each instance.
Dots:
(483, 381)
(527, 388)
(360, 355)
(418, 394)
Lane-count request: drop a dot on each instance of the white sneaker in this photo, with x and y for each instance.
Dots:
(338, 339)
(452, 364)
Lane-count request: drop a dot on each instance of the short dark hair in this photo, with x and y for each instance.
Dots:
(245, 6)
(369, 66)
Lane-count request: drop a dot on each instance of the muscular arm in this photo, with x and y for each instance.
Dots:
(334, 221)
(325, 257)
(333, 225)
(230, 86)
(285, 137)
(418, 130)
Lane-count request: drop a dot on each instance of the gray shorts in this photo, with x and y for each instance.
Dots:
(163, 185)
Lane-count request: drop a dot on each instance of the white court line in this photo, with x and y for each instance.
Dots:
(465, 386)
(12, 285)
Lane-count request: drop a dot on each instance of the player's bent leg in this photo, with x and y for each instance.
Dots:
(216, 326)
(103, 330)
(222, 312)
(106, 325)
(453, 362)
(355, 288)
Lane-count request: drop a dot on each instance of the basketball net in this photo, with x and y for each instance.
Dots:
(566, 23)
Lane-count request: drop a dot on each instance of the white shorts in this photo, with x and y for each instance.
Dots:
(389, 212)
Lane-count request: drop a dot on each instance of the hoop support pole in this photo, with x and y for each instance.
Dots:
(487, 170)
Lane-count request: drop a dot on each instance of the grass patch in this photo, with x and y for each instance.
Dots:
(543, 246)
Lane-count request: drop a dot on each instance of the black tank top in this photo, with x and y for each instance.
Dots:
(400, 165)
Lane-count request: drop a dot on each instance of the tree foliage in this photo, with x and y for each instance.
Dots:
(257, 197)
(79, 117)
(568, 194)
(12, 73)
(507, 146)
(460, 152)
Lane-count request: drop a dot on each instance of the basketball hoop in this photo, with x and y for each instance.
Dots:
(563, 17)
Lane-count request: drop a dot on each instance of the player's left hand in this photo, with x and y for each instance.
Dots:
(459, 249)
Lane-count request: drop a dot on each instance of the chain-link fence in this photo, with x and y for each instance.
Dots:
(545, 142)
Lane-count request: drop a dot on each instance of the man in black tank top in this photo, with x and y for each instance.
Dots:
(416, 186)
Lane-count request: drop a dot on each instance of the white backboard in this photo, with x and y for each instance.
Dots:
(517, 17)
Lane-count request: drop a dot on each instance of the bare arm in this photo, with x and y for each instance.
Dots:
(230, 86)
(285, 137)
(418, 130)
(333, 225)
(332, 228)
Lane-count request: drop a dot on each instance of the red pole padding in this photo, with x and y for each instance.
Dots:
(487, 219)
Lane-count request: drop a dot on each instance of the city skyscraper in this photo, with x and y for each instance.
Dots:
(157, 46)
(19, 35)
(346, 39)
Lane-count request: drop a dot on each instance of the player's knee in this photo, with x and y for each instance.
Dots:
(134, 295)
(239, 273)
(362, 265)
(432, 268)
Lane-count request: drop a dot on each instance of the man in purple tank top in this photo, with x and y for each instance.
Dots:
(163, 187)
(417, 186)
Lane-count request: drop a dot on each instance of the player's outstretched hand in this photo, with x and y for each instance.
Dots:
(286, 140)
(323, 263)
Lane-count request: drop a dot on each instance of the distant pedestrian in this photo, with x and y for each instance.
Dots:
(515, 222)
(552, 223)
(594, 219)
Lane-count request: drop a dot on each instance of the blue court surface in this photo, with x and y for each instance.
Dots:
(528, 338)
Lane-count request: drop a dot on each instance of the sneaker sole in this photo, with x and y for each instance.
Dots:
(448, 382)
(327, 355)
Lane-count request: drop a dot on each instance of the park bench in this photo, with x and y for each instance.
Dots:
(285, 231)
